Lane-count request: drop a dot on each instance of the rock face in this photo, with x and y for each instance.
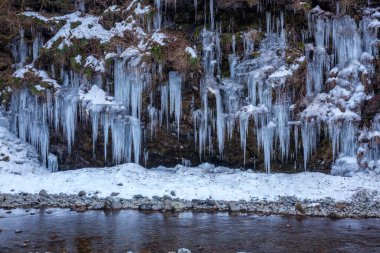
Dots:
(282, 86)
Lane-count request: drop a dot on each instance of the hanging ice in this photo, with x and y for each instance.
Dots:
(175, 86)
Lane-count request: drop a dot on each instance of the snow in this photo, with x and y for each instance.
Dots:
(20, 73)
(158, 38)
(191, 52)
(78, 59)
(96, 96)
(94, 63)
(35, 15)
(374, 24)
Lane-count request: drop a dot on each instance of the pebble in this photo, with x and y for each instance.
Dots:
(18, 231)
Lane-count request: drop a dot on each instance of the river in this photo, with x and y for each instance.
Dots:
(61, 230)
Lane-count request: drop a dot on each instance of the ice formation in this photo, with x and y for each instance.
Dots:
(253, 100)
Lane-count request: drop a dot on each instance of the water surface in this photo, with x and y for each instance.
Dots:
(98, 231)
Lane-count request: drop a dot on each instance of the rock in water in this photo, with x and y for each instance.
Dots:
(183, 250)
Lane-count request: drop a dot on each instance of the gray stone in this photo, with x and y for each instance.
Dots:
(81, 193)
(234, 206)
(116, 205)
(167, 197)
(172, 193)
(114, 194)
(43, 193)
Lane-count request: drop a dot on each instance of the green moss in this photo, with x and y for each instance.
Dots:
(157, 53)
(75, 65)
(74, 25)
(256, 54)
(193, 62)
(88, 72)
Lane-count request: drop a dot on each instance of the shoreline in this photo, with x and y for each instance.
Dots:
(362, 204)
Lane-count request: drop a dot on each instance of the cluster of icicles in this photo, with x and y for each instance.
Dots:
(244, 99)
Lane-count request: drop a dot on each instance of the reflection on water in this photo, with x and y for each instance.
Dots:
(97, 231)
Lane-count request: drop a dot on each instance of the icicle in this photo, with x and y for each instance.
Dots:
(346, 40)
(195, 10)
(95, 127)
(243, 121)
(22, 50)
(106, 126)
(69, 118)
(233, 44)
(136, 139)
(267, 138)
(157, 20)
(220, 121)
(268, 22)
(212, 18)
(283, 131)
(52, 163)
(152, 112)
(309, 140)
(37, 44)
(164, 112)
(175, 83)
(122, 86)
(80, 5)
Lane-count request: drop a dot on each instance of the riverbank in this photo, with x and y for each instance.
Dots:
(25, 183)
(362, 205)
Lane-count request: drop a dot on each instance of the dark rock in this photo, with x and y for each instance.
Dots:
(138, 196)
(18, 231)
(8, 211)
(32, 213)
(81, 193)
(119, 184)
(114, 194)
(172, 193)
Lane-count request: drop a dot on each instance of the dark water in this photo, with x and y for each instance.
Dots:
(97, 231)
